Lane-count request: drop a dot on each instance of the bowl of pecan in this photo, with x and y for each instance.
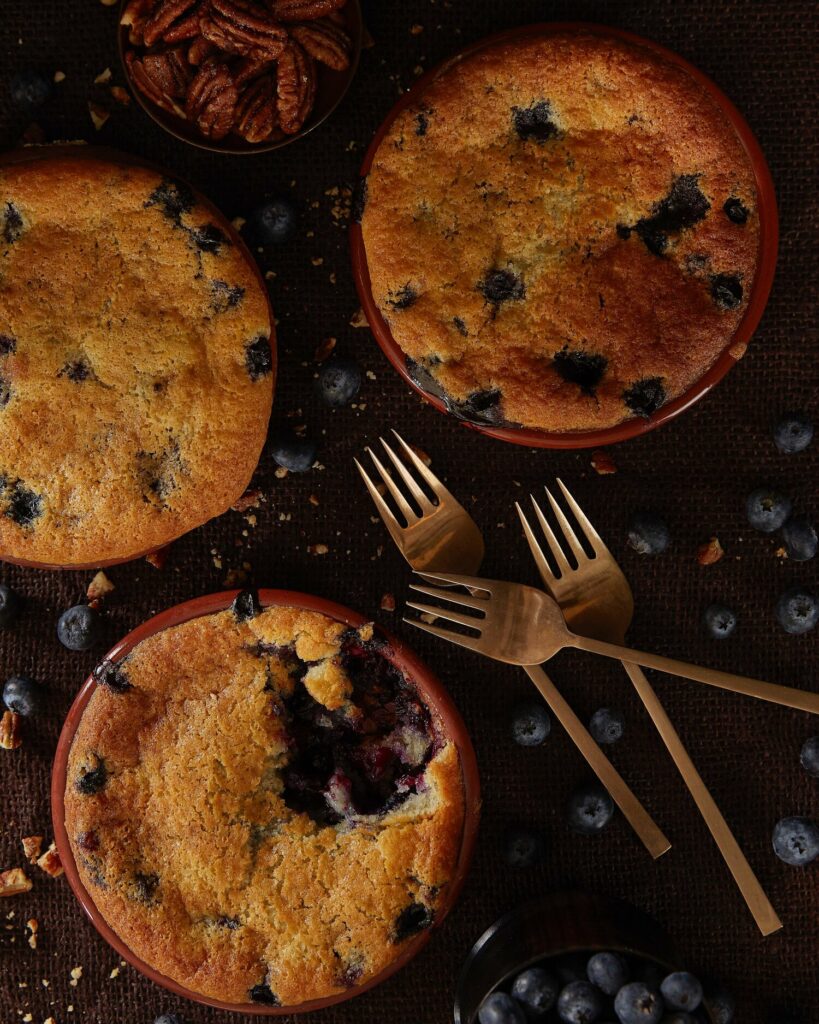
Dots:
(240, 76)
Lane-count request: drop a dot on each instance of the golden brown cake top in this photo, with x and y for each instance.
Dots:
(135, 364)
(261, 806)
(561, 233)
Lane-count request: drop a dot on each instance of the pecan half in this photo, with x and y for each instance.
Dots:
(239, 26)
(10, 738)
(169, 71)
(199, 51)
(302, 10)
(256, 112)
(149, 71)
(249, 68)
(211, 101)
(324, 42)
(295, 87)
(163, 17)
(187, 28)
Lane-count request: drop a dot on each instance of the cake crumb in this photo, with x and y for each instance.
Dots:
(324, 349)
(114, 973)
(252, 498)
(416, 30)
(313, 499)
(103, 77)
(76, 974)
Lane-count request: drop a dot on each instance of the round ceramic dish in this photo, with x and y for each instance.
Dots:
(38, 153)
(768, 241)
(331, 89)
(555, 925)
(430, 689)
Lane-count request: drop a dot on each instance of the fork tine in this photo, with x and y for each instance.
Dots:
(384, 509)
(568, 532)
(554, 545)
(423, 501)
(593, 537)
(435, 484)
(537, 551)
(408, 511)
(472, 642)
(471, 582)
(470, 621)
(446, 595)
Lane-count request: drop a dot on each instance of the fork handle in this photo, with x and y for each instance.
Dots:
(802, 700)
(637, 816)
(754, 895)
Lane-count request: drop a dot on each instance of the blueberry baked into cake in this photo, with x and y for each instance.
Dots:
(262, 806)
(561, 233)
(136, 371)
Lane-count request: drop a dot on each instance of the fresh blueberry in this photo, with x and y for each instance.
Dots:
(273, 223)
(168, 1018)
(638, 1003)
(522, 848)
(293, 452)
(648, 534)
(499, 1008)
(796, 841)
(339, 380)
(22, 696)
(530, 724)
(78, 628)
(681, 991)
(590, 809)
(720, 621)
(721, 1004)
(29, 90)
(797, 610)
(579, 1003)
(809, 758)
(608, 971)
(571, 968)
(767, 509)
(793, 433)
(800, 539)
(9, 605)
(536, 989)
(607, 725)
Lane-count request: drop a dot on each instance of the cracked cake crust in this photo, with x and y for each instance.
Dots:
(561, 232)
(183, 817)
(136, 374)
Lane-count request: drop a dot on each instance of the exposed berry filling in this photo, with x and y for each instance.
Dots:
(22, 505)
(403, 298)
(8, 344)
(359, 201)
(145, 887)
(92, 777)
(12, 223)
(77, 370)
(579, 367)
(502, 286)
(225, 296)
(481, 407)
(208, 238)
(258, 358)
(645, 396)
(173, 198)
(736, 210)
(460, 326)
(682, 208)
(246, 606)
(5, 391)
(415, 918)
(263, 994)
(113, 676)
(535, 123)
(726, 291)
(158, 473)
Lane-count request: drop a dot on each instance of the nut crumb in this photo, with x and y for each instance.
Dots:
(324, 349)
(120, 95)
(32, 927)
(99, 587)
(416, 30)
(98, 114)
(710, 553)
(317, 261)
(358, 319)
(10, 731)
(76, 974)
(603, 463)
(114, 973)
(388, 603)
(14, 881)
(103, 77)
(250, 499)
(159, 557)
(280, 473)
(59, 76)
(32, 847)
(317, 549)
(313, 499)
(781, 552)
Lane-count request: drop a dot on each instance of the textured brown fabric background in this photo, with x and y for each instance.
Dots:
(696, 471)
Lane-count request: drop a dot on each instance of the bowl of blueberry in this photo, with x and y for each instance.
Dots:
(579, 958)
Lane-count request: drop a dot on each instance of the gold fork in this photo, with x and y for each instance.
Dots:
(596, 600)
(444, 538)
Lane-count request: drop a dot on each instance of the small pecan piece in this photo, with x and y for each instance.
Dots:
(295, 88)
(199, 51)
(163, 17)
(211, 101)
(303, 10)
(13, 882)
(256, 112)
(32, 847)
(50, 862)
(10, 738)
(238, 26)
(325, 43)
(602, 462)
(710, 553)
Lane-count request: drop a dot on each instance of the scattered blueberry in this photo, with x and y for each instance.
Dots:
(339, 380)
(796, 841)
(579, 1003)
(721, 1004)
(273, 223)
(607, 725)
(78, 628)
(522, 848)
(536, 989)
(29, 90)
(681, 991)
(800, 539)
(22, 696)
(608, 971)
(638, 1003)
(590, 809)
(735, 210)
(809, 758)
(499, 1008)
(793, 433)
(720, 621)
(293, 452)
(767, 509)
(797, 610)
(648, 534)
(168, 1018)
(9, 605)
(530, 724)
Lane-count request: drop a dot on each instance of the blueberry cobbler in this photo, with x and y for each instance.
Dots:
(262, 806)
(136, 370)
(561, 233)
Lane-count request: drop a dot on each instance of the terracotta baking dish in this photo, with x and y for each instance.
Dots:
(82, 152)
(433, 693)
(768, 242)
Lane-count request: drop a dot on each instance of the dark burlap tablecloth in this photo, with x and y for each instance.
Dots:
(696, 471)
